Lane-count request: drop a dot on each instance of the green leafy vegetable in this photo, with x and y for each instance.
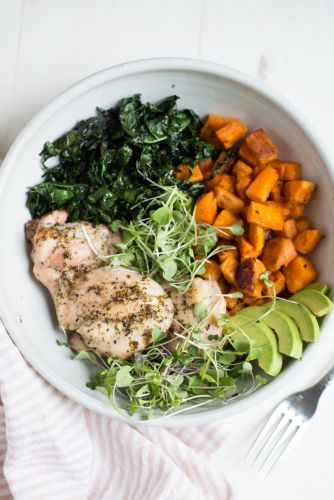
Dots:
(87, 356)
(162, 245)
(99, 170)
(167, 374)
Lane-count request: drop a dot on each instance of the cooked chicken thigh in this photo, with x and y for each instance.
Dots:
(114, 310)
(58, 246)
(206, 292)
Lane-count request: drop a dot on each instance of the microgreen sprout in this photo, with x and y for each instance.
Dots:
(175, 374)
(165, 245)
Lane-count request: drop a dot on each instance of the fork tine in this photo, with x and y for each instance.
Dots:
(272, 442)
(264, 432)
(295, 435)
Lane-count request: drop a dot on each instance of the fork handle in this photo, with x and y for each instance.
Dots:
(325, 380)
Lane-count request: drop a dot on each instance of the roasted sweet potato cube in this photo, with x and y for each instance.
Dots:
(278, 281)
(289, 229)
(206, 208)
(303, 224)
(229, 269)
(257, 237)
(213, 122)
(261, 147)
(223, 220)
(231, 302)
(237, 308)
(206, 167)
(278, 252)
(299, 273)
(244, 177)
(248, 277)
(261, 187)
(182, 172)
(282, 207)
(224, 254)
(287, 171)
(225, 161)
(299, 192)
(212, 270)
(267, 216)
(246, 249)
(246, 155)
(276, 192)
(296, 210)
(205, 164)
(228, 200)
(308, 240)
(231, 132)
(258, 169)
(208, 131)
(225, 181)
(196, 175)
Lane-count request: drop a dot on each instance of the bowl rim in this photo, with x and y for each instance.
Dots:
(121, 71)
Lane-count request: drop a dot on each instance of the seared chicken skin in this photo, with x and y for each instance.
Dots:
(114, 310)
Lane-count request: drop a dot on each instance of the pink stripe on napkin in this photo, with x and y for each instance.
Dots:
(51, 447)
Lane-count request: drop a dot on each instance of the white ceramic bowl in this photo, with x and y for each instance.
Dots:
(25, 306)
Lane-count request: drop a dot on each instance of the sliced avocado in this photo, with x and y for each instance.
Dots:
(304, 319)
(289, 339)
(270, 360)
(318, 303)
(319, 287)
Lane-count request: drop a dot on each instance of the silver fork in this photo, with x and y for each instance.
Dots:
(285, 426)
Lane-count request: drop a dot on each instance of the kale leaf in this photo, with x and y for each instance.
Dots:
(107, 166)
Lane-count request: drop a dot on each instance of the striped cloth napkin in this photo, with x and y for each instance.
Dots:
(52, 448)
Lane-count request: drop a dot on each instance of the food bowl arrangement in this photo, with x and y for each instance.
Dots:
(232, 173)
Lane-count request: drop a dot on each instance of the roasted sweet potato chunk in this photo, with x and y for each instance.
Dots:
(299, 273)
(212, 271)
(257, 237)
(222, 256)
(276, 192)
(206, 167)
(278, 281)
(182, 172)
(223, 220)
(266, 216)
(225, 181)
(246, 155)
(231, 132)
(278, 252)
(261, 187)
(299, 192)
(224, 163)
(229, 269)
(296, 210)
(289, 229)
(206, 208)
(261, 147)
(287, 171)
(246, 249)
(231, 302)
(197, 175)
(228, 200)
(248, 277)
(208, 131)
(281, 207)
(308, 240)
(244, 176)
(303, 224)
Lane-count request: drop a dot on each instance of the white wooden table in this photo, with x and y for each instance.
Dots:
(46, 45)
